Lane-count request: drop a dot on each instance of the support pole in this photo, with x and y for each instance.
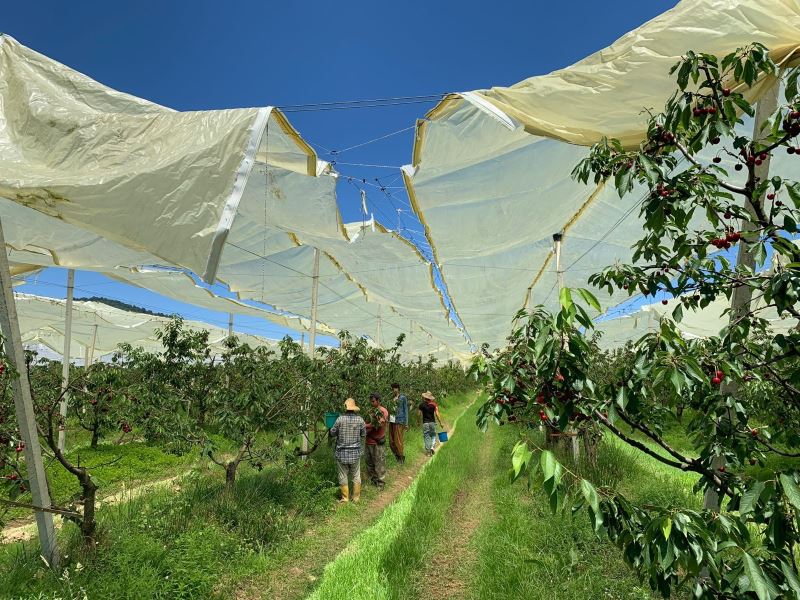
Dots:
(743, 295)
(90, 356)
(557, 237)
(26, 418)
(570, 434)
(312, 338)
(230, 324)
(378, 329)
(65, 360)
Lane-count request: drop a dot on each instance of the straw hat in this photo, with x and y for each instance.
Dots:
(350, 404)
(427, 396)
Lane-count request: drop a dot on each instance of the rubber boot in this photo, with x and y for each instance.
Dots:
(345, 493)
(356, 492)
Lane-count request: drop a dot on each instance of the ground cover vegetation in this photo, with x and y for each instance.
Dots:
(146, 415)
(734, 395)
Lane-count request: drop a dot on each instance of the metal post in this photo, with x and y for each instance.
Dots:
(65, 360)
(557, 237)
(743, 295)
(230, 324)
(378, 329)
(90, 358)
(26, 418)
(312, 338)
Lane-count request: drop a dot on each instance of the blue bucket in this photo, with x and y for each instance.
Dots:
(442, 436)
(330, 419)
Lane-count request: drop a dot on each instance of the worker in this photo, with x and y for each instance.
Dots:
(376, 442)
(429, 411)
(349, 430)
(398, 424)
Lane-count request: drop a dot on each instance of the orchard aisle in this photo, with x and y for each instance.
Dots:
(295, 570)
(390, 559)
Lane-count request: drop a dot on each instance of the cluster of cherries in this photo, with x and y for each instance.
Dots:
(731, 237)
(718, 377)
(126, 428)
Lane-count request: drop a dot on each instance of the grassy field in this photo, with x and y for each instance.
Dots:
(454, 526)
(199, 541)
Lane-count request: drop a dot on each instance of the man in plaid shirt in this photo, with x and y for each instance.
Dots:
(349, 430)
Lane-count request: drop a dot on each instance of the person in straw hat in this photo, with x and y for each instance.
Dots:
(429, 411)
(349, 431)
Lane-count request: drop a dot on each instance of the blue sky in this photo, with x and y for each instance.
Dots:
(205, 55)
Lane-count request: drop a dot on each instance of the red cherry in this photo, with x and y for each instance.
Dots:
(753, 461)
(795, 114)
(715, 140)
(790, 150)
(778, 203)
(763, 156)
(726, 92)
(624, 286)
(716, 380)
(717, 159)
(738, 167)
(543, 415)
(754, 432)
(720, 374)
(758, 162)
(722, 469)
(664, 302)
(711, 110)
(770, 196)
(20, 447)
(697, 112)
(559, 377)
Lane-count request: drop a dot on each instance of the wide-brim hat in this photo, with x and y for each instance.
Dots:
(427, 396)
(350, 404)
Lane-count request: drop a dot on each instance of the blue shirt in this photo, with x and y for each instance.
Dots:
(401, 410)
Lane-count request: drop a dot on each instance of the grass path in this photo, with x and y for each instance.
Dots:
(295, 570)
(450, 568)
(383, 560)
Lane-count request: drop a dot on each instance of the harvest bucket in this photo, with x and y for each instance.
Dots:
(330, 419)
(442, 436)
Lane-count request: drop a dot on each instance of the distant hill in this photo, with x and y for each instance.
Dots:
(122, 305)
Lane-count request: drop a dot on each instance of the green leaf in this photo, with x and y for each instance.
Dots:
(520, 457)
(565, 297)
(551, 468)
(758, 579)
(677, 379)
(589, 298)
(666, 527)
(790, 490)
(750, 497)
(791, 579)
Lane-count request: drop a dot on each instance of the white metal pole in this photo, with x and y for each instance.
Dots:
(91, 348)
(742, 295)
(378, 329)
(557, 237)
(26, 418)
(312, 338)
(65, 360)
(230, 324)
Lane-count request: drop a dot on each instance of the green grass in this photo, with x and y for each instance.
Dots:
(379, 562)
(195, 543)
(527, 552)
